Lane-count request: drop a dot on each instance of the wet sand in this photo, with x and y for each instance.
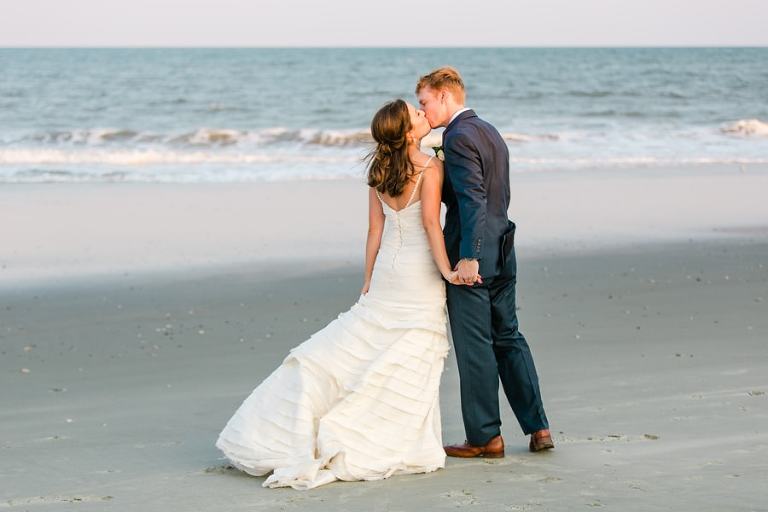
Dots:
(652, 359)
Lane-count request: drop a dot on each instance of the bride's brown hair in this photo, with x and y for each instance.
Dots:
(389, 167)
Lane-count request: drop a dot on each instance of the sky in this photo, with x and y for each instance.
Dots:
(383, 23)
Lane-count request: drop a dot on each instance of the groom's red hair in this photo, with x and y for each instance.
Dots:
(444, 78)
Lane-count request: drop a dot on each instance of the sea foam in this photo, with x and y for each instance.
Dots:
(747, 128)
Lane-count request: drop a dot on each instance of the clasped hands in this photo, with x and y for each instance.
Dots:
(465, 273)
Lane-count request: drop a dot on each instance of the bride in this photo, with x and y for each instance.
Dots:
(359, 400)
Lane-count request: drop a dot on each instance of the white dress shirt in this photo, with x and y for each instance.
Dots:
(456, 114)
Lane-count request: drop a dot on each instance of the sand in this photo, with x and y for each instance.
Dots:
(51, 232)
(652, 355)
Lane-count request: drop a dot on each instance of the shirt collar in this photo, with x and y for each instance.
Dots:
(456, 114)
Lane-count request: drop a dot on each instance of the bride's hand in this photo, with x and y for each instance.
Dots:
(365, 288)
(453, 277)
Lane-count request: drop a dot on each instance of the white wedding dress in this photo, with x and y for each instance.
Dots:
(359, 399)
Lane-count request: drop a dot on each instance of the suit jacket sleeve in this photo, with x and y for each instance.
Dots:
(463, 169)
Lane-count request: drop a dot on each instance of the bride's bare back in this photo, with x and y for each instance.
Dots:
(410, 192)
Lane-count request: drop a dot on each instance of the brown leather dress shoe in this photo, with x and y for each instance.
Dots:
(541, 440)
(493, 449)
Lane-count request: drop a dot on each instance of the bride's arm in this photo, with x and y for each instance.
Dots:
(431, 190)
(375, 229)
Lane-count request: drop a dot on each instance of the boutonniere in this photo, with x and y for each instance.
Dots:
(439, 153)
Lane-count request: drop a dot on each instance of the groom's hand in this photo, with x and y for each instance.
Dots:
(467, 269)
(453, 278)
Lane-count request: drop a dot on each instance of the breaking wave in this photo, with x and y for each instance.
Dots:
(746, 128)
(201, 137)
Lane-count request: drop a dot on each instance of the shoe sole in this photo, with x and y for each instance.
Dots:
(496, 455)
(491, 455)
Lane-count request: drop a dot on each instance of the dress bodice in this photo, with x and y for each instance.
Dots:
(404, 226)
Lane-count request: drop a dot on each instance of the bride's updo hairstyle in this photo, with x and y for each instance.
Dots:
(389, 167)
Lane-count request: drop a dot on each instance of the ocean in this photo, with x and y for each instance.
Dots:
(235, 115)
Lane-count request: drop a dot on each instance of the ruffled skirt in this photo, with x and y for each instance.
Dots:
(357, 401)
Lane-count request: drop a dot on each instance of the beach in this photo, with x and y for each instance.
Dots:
(135, 317)
(174, 220)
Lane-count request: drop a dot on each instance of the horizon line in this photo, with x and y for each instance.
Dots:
(370, 47)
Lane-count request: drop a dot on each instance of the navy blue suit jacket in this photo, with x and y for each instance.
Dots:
(476, 192)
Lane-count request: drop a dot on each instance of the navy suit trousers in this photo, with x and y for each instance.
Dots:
(489, 347)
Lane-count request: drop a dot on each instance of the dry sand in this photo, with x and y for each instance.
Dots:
(51, 232)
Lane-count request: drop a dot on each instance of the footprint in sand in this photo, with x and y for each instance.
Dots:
(222, 468)
(523, 508)
(461, 498)
(611, 438)
(48, 500)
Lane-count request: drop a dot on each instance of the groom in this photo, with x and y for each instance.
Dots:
(480, 242)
